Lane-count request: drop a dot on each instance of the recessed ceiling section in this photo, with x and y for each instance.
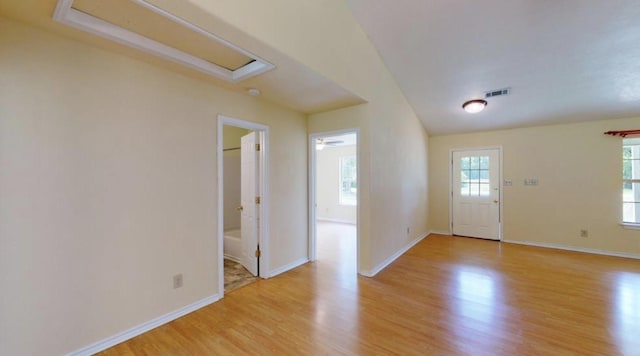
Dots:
(131, 16)
(144, 26)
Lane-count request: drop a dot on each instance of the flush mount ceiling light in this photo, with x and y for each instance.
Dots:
(253, 91)
(474, 106)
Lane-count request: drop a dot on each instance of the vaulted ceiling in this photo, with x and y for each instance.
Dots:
(565, 61)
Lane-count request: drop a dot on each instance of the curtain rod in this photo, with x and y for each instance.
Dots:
(623, 133)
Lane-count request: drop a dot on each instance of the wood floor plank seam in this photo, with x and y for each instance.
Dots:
(445, 296)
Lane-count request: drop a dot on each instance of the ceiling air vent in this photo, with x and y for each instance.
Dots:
(497, 92)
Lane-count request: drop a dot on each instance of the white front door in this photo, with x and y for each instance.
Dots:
(248, 194)
(476, 193)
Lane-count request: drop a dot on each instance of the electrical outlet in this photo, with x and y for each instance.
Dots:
(584, 233)
(531, 181)
(177, 281)
(508, 182)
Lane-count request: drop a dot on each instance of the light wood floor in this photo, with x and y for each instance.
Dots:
(336, 252)
(446, 296)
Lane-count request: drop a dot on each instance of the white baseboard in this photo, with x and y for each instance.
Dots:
(388, 261)
(232, 258)
(288, 267)
(448, 233)
(575, 249)
(143, 328)
(336, 221)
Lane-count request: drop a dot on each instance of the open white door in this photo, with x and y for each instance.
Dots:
(248, 194)
(476, 193)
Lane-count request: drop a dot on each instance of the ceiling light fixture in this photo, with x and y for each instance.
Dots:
(474, 106)
(253, 91)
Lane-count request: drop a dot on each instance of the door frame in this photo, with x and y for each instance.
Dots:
(263, 186)
(451, 175)
(312, 190)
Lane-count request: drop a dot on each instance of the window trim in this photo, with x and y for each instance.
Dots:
(628, 224)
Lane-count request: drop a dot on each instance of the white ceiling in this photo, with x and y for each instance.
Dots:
(565, 60)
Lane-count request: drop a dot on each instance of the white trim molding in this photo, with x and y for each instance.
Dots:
(372, 272)
(438, 232)
(143, 328)
(630, 226)
(288, 267)
(336, 221)
(232, 258)
(575, 249)
(66, 14)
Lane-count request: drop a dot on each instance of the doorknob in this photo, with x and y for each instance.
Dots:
(239, 208)
(496, 201)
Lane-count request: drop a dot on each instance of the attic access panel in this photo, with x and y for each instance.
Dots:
(139, 24)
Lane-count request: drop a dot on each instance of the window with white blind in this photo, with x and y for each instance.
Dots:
(348, 181)
(631, 181)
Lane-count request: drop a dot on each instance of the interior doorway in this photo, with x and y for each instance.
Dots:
(243, 202)
(476, 192)
(333, 199)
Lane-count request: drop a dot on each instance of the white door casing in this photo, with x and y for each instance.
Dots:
(476, 193)
(248, 194)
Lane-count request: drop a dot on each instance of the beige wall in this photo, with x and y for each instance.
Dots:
(232, 173)
(579, 171)
(108, 186)
(393, 170)
(324, 36)
(328, 185)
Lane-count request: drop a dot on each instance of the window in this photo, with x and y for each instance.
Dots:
(631, 181)
(348, 181)
(474, 176)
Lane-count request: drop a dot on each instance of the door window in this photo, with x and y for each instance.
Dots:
(474, 176)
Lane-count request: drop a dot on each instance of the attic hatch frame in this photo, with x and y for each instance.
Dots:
(67, 15)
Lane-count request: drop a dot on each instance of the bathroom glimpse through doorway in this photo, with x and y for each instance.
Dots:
(243, 201)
